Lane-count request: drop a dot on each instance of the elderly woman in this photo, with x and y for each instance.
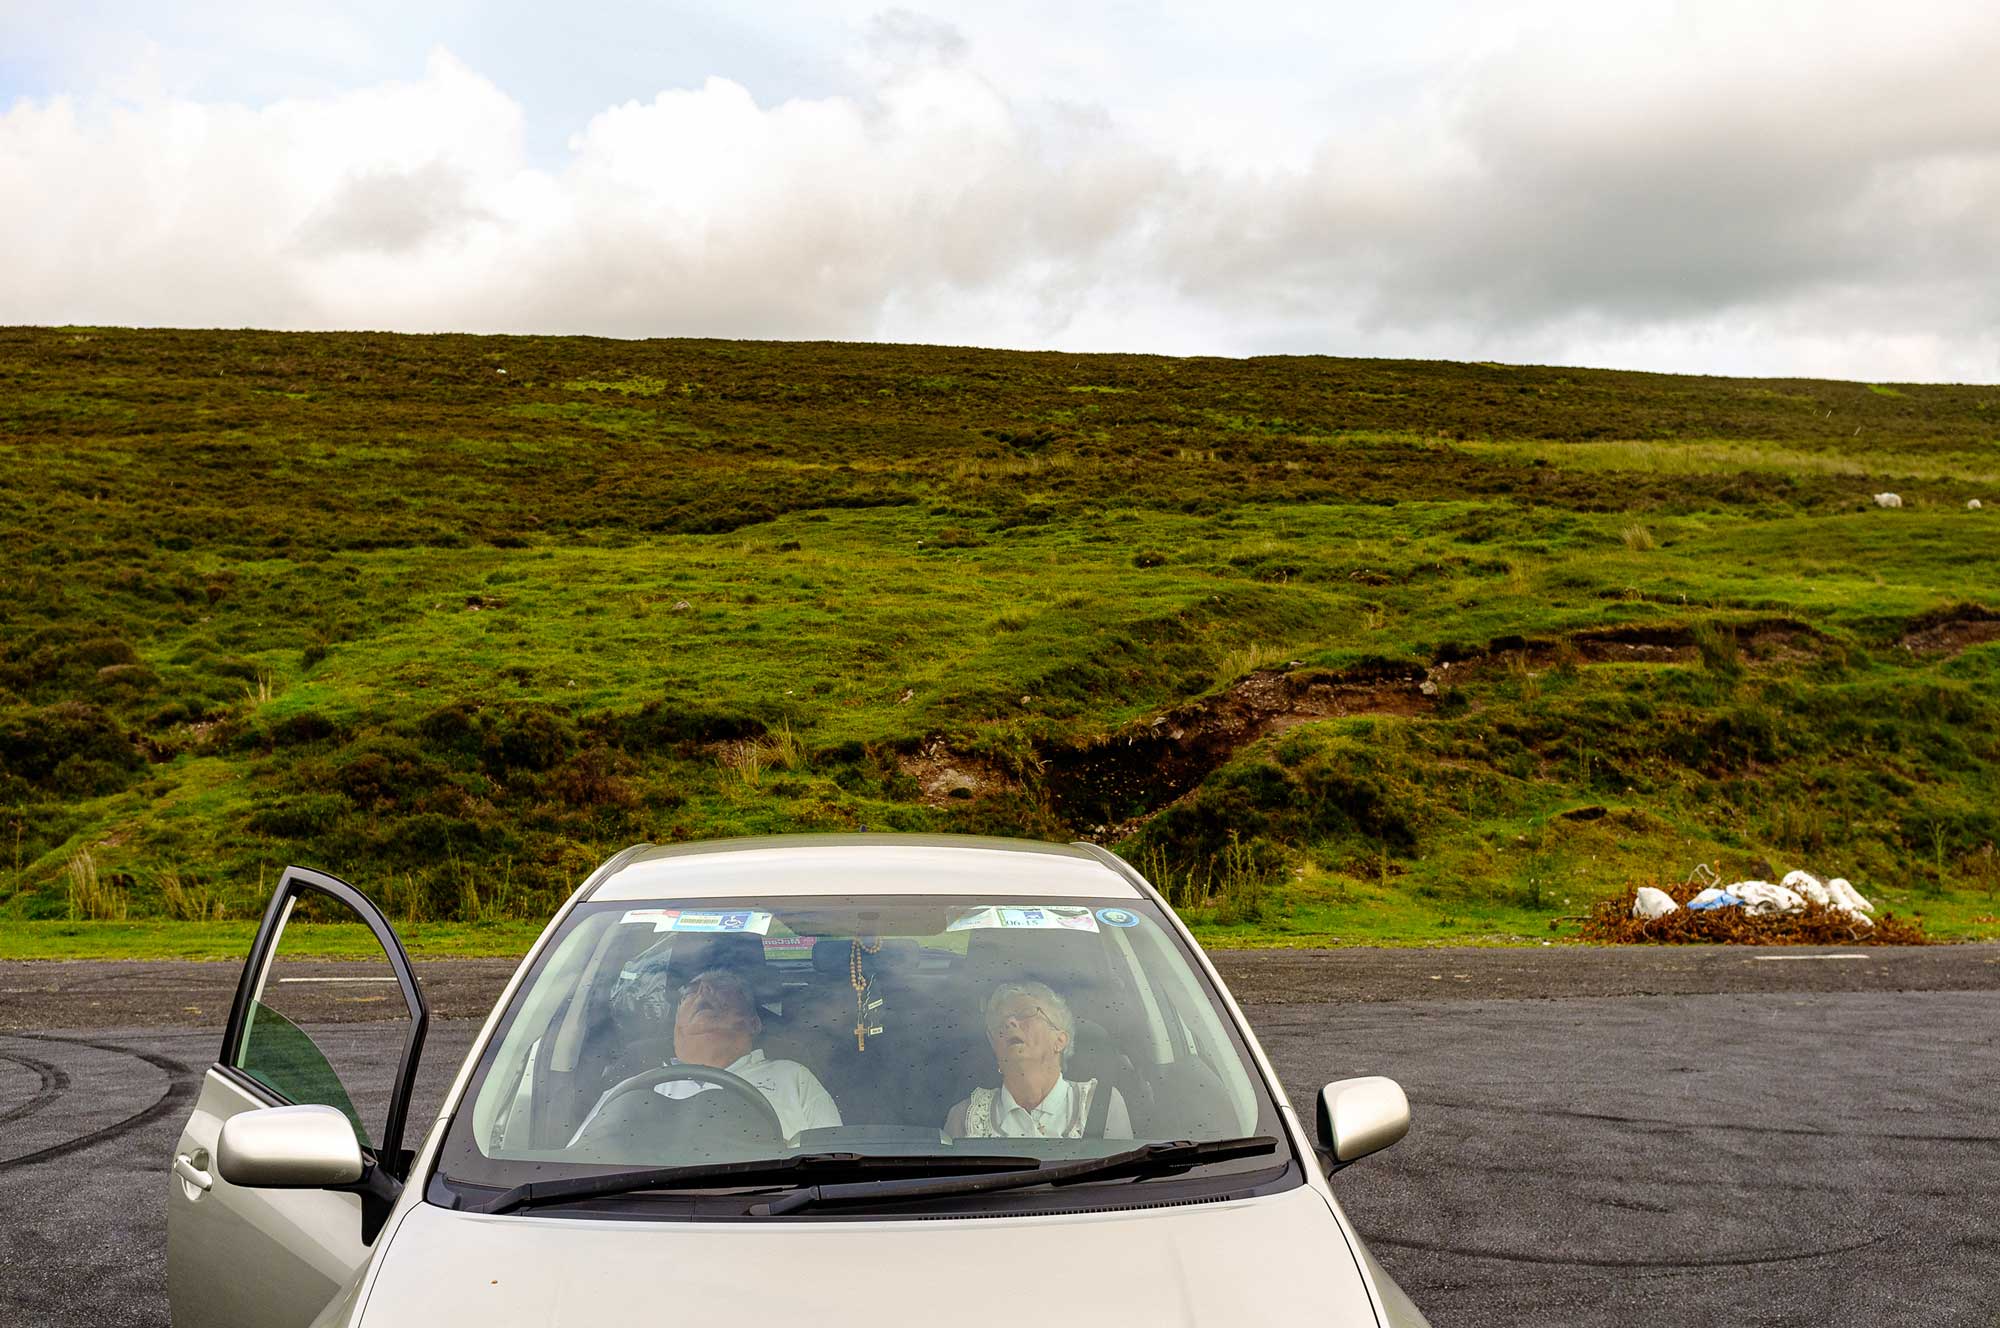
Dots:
(1032, 1030)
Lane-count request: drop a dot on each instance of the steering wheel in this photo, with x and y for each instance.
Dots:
(646, 1080)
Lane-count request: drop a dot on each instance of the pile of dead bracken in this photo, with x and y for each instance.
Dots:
(1611, 922)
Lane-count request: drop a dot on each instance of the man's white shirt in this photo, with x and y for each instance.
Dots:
(794, 1092)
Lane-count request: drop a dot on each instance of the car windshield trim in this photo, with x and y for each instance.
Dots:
(1147, 1159)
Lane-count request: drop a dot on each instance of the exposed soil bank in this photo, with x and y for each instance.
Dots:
(1952, 630)
(1149, 765)
(1106, 786)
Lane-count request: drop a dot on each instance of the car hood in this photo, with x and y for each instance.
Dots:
(1276, 1259)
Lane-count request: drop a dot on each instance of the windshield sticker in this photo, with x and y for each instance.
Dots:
(1040, 918)
(1117, 917)
(786, 944)
(755, 922)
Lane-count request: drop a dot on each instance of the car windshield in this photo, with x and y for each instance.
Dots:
(935, 1031)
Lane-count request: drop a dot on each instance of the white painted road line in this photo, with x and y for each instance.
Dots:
(1772, 959)
(284, 980)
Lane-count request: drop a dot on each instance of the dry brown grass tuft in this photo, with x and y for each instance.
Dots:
(189, 900)
(90, 896)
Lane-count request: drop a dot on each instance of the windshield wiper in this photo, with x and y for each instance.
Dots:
(1145, 1160)
(755, 1171)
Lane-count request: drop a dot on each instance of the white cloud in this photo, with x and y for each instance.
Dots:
(1773, 190)
(700, 212)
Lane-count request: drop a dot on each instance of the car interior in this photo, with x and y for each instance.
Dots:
(890, 1023)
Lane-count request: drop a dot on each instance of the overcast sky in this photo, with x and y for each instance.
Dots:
(1748, 188)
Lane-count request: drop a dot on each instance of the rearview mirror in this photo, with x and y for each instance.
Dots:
(1361, 1116)
(289, 1148)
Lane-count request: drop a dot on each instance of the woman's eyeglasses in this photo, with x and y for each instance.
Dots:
(1002, 1018)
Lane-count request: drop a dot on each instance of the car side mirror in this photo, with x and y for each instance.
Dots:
(289, 1148)
(1361, 1116)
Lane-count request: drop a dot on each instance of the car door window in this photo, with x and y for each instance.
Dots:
(326, 1022)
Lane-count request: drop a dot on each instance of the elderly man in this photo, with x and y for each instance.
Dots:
(1032, 1030)
(715, 1021)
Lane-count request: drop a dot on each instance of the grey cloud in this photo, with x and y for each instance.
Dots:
(390, 212)
(1529, 209)
(1717, 195)
(904, 37)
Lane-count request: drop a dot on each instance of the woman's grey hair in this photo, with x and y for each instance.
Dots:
(1046, 998)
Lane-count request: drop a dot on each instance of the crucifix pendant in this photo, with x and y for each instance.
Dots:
(861, 1008)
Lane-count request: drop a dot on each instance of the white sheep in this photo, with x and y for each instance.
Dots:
(1973, 504)
(1888, 500)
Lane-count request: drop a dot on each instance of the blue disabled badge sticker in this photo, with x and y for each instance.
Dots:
(1117, 917)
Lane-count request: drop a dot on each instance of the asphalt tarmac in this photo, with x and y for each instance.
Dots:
(187, 993)
(1792, 1141)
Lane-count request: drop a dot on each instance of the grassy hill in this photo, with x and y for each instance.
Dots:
(1338, 648)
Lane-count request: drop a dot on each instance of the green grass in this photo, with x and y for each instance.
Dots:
(360, 602)
(1315, 913)
(230, 940)
(1978, 465)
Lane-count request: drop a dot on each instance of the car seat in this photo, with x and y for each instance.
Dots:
(1071, 963)
(867, 1082)
(637, 1034)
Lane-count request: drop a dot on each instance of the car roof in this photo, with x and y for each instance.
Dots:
(862, 864)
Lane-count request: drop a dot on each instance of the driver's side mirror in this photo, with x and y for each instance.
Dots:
(1361, 1116)
(289, 1148)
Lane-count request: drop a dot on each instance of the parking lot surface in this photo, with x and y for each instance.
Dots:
(1693, 1138)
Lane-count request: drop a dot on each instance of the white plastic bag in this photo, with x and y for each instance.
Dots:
(1761, 897)
(1653, 903)
(1847, 896)
(1714, 897)
(1836, 893)
(1810, 886)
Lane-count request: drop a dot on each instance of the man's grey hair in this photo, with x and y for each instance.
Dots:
(725, 980)
(1045, 997)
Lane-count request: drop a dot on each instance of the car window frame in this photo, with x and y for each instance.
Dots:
(1288, 1168)
(387, 1153)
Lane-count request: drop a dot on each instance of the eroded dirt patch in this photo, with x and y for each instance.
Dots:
(1134, 772)
(1952, 630)
(1110, 786)
(946, 776)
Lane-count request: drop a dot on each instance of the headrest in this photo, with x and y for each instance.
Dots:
(831, 955)
(694, 952)
(1065, 960)
(697, 952)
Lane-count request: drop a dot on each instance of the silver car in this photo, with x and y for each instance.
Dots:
(825, 1080)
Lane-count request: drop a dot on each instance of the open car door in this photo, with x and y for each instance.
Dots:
(302, 1031)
